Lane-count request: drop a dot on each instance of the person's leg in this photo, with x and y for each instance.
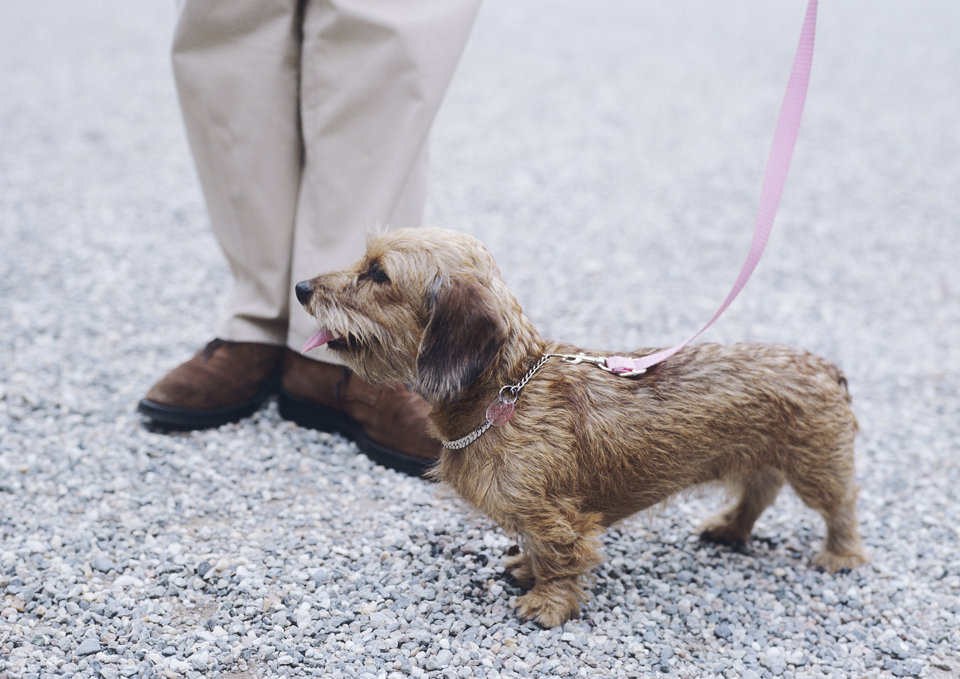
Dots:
(373, 76)
(237, 69)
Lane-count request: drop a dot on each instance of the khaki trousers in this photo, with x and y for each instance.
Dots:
(308, 121)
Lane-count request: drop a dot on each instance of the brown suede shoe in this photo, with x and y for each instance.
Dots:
(224, 382)
(388, 424)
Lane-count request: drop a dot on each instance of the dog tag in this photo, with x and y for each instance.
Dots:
(499, 412)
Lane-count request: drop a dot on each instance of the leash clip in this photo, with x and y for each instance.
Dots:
(574, 359)
(600, 362)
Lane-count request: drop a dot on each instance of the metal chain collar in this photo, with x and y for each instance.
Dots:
(509, 394)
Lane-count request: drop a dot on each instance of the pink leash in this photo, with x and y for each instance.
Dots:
(784, 140)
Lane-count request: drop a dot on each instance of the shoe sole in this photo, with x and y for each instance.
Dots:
(308, 414)
(166, 417)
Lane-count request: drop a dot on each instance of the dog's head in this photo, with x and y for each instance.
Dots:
(423, 306)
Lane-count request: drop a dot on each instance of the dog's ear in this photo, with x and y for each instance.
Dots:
(461, 340)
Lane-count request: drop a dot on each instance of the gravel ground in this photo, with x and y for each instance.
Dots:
(611, 158)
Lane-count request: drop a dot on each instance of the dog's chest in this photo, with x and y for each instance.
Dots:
(483, 481)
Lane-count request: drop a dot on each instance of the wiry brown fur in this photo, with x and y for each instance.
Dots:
(584, 448)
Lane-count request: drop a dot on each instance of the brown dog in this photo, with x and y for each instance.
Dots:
(584, 448)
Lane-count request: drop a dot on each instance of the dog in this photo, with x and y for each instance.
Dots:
(583, 448)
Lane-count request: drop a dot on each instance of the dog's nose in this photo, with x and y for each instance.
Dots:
(304, 290)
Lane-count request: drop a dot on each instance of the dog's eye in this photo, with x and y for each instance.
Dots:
(374, 273)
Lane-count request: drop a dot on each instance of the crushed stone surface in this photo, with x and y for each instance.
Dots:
(611, 156)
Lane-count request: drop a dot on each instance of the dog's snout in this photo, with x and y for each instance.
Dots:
(304, 291)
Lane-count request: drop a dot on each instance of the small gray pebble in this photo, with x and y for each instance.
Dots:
(88, 646)
(103, 564)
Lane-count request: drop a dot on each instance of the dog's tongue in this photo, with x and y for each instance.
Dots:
(317, 339)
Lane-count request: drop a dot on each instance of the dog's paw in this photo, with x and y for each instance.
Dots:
(548, 608)
(721, 530)
(518, 567)
(832, 562)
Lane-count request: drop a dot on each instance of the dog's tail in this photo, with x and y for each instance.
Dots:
(833, 372)
(842, 381)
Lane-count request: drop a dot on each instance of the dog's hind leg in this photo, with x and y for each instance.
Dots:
(757, 489)
(843, 548)
(557, 552)
(830, 488)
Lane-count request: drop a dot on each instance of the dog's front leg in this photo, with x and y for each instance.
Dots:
(556, 552)
(519, 567)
